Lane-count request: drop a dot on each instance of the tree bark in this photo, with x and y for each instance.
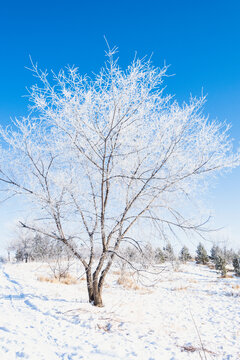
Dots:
(97, 293)
(89, 285)
(98, 299)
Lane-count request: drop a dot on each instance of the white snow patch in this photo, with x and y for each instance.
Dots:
(41, 321)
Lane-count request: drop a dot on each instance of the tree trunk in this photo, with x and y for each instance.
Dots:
(97, 293)
(98, 299)
(89, 285)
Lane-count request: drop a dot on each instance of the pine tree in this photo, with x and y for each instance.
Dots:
(184, 255)
(148, 252)
(19, 255)
(220, 264)
(202, 257)
(168, 252)
(215, 251)
(228, 255)
(159, 256)
(130, 254)
(236, 265)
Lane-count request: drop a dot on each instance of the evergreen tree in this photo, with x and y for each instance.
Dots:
(228, 255)
(19, 256)
(236, 265)
(202, 256)
(159, 256)
(148, 255)
(184, 255)
(220, 264)
(168, 252)
(130, 254)
(215, 252)
(148, 252)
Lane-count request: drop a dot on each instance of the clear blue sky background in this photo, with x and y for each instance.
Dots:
(200, 39)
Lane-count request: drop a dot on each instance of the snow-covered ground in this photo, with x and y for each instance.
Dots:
(192, 309)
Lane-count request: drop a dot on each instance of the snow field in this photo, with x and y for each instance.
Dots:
(187, 310)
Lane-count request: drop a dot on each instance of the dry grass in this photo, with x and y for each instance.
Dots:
(106, 285)
(226, 277)
(107, 327)
(191, 348)
(122, 273)
(180, 288)
(236, 287)
(67, 279)
(211, 266)
(127, 283)
(117, 272)
(193, 281)
(144, 291)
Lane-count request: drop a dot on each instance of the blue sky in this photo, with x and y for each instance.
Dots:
(199, 39)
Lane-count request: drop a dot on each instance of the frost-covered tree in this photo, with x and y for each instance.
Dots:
(220, 264)
(228, 255)
(98, 157)
(215, 251)
(130, 254)
(40, 247)
(184, 254)
(22, 245)
(169, 252)
(236, 265)
(202, 256)
(60, 259)
(147, 257)
(29, 246)
(159, 256)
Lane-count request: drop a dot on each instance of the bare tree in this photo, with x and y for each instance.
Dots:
(60, 259)
(100, 157)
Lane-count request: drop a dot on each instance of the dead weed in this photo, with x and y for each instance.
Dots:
(127, 283)
(68, 279)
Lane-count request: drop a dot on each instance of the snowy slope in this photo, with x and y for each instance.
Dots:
(187, 310)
